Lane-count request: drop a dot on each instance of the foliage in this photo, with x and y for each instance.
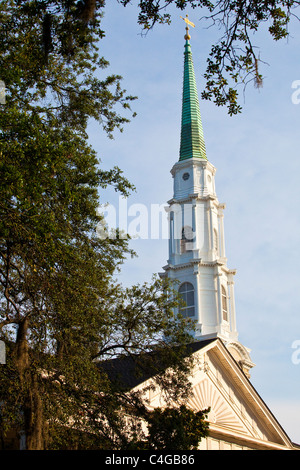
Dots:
(176, 428)
(61, 313)
(171, 428)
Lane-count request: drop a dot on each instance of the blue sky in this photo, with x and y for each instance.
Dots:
(258, 177)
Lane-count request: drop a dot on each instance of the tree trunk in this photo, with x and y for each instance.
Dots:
(32, 406)
(33, 419)
(22, 347)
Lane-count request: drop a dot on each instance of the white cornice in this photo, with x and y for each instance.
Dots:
(193, 197)
(199, 261)
(193, 162)
(217, 432)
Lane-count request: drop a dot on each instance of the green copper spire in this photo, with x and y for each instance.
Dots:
(192, 138)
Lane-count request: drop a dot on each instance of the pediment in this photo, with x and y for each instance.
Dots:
(205, 395)
(236, 407)
(237, 412)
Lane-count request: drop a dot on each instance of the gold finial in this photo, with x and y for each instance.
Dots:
(187, 22)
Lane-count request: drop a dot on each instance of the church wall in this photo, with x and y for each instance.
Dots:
(217, 444)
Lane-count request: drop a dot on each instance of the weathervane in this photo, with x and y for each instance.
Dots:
(187, 22)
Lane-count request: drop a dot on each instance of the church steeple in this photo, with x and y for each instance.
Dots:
(197, 258)
(192, 143)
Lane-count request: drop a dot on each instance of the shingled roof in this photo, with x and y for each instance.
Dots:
(129, 371)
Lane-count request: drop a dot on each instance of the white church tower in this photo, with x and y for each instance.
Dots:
(197, 256)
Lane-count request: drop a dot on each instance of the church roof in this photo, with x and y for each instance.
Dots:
(192, 139)
(129, 371)
(231, 400)
(239, 415)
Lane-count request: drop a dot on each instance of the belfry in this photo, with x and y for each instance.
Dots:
(197, 258)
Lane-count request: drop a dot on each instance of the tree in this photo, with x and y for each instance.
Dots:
(176, 428)
(61, 312)
(49, 184)
(171, 428)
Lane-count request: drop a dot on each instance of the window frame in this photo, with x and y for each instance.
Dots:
(189, 306)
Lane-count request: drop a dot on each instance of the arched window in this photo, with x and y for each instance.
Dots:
(186, 291)
(224, 304)
(187, 239)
